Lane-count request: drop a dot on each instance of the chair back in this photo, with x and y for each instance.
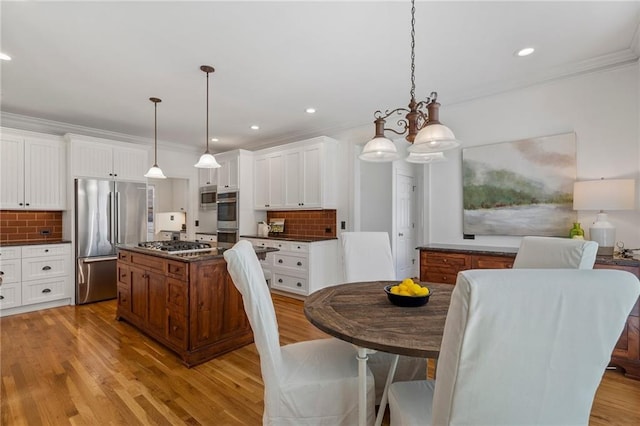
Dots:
(529, 346)
(552, 252)
(367, 256)
(245, 270)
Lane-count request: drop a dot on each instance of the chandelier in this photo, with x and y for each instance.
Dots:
(421, 124)
(207, 160)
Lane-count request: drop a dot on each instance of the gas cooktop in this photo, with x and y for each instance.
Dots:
(177, 247)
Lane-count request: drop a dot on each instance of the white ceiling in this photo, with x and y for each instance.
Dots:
(95, 64)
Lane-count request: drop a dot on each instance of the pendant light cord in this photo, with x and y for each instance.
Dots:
(207, 113)
(155, 133)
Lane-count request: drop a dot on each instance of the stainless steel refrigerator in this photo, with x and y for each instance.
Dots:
(108, 213)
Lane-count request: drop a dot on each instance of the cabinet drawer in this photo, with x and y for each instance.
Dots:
(177, 270)
(299, 247)
(206, 237)
(124, 256)
(45, 267)
(294, 262)
(177, 329)
(46, 250)
(124, 299)
(491, 262)
(439, 277)
(10, 295)
(290, 283)
(280, 245)
(147, 262)
(124, 275)
(177, 295)
(445, 262)
(43, 290)
(10, 253)
(10, 270)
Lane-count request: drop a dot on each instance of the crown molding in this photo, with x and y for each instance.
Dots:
(58, 128)
(635, 41)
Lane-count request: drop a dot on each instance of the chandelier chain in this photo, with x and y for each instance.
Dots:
(413, 48)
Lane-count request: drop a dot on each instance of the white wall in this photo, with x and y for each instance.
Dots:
(601, 108)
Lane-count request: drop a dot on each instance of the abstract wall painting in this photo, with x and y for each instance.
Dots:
(520, 188)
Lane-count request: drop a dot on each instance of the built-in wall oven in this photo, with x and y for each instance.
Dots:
(228, 217)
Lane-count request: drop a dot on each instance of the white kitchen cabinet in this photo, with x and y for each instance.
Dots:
(32, 172)
(300, 267)
(100, 158)
(303, 177)
(207, 238)
(269, 182)
(40, 276)
(228, 172)
(207, 177)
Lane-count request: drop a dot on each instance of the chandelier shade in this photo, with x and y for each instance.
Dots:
(379, 149)
(207, 160)
(155, 172)
(425, 158)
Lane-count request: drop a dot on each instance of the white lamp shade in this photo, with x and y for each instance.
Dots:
(379, 150)
(425, 158)
(604, 194)
(155, 173)
(434, 138)
(207, 161)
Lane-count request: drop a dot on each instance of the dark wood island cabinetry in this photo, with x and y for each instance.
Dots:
(190, 306)
(441, 264)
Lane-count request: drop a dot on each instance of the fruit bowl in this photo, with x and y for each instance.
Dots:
(406, 301)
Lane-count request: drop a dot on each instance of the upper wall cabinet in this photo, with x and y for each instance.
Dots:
(99, 158)
(207, 177)
(228, 177)
(296, 176)
(32, 171)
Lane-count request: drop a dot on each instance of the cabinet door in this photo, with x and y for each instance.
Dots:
(207, 177)
(157, 303)
(138, 296)
(292, 177)
(91, 160)
(11, 173)
(44, 175)
(228, 174)
(130, 164)
(261, 183)
(276, 181)
(312, 177)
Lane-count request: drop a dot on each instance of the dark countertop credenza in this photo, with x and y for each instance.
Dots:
(441, 264)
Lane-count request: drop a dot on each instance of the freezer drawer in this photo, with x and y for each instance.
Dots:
(96, 280)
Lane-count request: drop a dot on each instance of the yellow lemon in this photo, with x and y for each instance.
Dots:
(404, 293)
(407, 282)
(395, 289)
(422, 292)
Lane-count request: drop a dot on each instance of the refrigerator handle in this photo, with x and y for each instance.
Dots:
(117, 217)
(110, 218)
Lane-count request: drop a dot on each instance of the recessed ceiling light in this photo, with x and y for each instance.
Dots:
(310, 110)
(526, 51)
(255, 127)
(5, 57)
(214, 139)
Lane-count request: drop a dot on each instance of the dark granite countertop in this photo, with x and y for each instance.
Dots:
(215, 252)
(296, 238)
(33, 243)
(207, 232)
(511, 252)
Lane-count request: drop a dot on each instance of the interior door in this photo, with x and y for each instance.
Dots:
(406, 255)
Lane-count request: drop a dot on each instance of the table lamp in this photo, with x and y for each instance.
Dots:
(604, 194)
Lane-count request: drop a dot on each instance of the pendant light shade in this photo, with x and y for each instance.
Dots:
(155, 172)
(425, 158)
(207, 160)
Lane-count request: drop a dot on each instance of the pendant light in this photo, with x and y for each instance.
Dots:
(155, 172)
(207, 161)
(421, 124)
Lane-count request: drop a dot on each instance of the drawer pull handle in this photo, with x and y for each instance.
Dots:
(445, 260)
(299, 284)
(46, 290)
(299, 263)
(279, 260)
(1, 272)
(46, 268)
(1, 297)
(279, 280)
(46, 250)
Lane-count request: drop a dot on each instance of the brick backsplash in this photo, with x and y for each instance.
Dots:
(306, 223)
(17, 226)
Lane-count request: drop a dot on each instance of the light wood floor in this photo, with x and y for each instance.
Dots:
(78, 365)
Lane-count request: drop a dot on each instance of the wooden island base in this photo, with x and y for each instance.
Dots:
(190, 306)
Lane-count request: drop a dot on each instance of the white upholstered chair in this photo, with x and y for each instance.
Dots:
(367, 257)
(306, 383)
(552, 252)
(521, 347)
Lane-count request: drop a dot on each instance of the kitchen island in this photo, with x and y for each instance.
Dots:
(185, 301)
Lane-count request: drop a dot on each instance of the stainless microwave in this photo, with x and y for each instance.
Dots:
(208, 197)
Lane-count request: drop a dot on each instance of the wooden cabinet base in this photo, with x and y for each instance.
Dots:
(191, 308)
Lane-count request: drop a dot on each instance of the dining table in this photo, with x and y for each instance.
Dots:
(362, 314)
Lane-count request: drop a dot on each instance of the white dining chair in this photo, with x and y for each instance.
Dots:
(367, 257)
(305, 383)
(521, 347)
(553, 252)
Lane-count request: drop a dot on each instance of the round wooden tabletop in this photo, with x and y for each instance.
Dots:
(361, 313)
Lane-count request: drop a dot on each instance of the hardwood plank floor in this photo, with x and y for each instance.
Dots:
(77, 365)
